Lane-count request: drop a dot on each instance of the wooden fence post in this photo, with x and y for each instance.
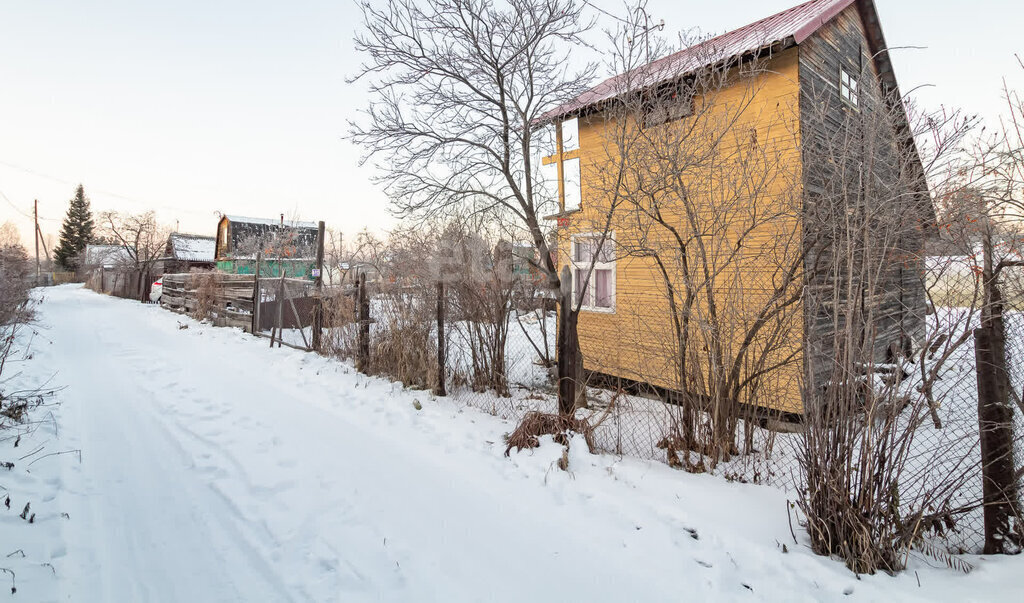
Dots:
(995, 427)
(257, 295)
(318, 304)
(363, 357)
(440, 390)
(279, 306)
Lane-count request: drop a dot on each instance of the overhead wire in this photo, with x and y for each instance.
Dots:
(15, 207)
(101, 192)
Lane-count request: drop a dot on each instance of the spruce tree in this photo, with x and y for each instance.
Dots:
(76, 233)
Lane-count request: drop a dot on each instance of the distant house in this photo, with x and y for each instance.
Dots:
(187, 252)
(523, 257)
(105, 256)
(287, 245)
(106, 268)
(351, 270)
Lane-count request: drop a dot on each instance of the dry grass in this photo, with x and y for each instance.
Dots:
(403, 346)
(406, 352)
(339, 316)
(535, 424)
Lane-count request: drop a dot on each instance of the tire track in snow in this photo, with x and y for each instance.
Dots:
(145, 525)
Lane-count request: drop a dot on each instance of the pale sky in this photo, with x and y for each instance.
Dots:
(192, 107)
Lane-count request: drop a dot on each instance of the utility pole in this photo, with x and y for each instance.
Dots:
(35, 214)
(318, 307)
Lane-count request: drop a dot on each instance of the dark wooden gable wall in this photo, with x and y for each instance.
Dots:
(246, 238)
(862, 203)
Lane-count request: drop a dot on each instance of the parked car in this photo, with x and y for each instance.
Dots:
(157, 290)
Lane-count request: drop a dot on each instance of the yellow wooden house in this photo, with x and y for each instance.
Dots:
(745, 140)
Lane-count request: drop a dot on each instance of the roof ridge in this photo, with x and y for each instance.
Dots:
(796, 23)
(192, 235)
(751, 25)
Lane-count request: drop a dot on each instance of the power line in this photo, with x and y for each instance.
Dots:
(606, 13)
(101, 192)
(15, 207)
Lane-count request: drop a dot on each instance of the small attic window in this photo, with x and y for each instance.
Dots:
(848, 88)
(668, 103)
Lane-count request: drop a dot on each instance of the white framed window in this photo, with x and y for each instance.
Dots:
(598, 293)
(570, 135)
(848, 87)
(572, 183)
(561, 172)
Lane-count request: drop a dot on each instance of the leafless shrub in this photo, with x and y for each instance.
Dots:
(403, 339)
(14, 283)
(208, 291)
(873, 485)
(15, 313)
(482, 286)
(701, 196)
(879, 472)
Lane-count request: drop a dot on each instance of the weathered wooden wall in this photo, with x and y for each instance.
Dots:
(236, 238)
(863, 220)
(231, 303)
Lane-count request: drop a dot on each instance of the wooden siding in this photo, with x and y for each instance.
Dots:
(244, 238)
(222, 248)
(896, 296)
(636, 341)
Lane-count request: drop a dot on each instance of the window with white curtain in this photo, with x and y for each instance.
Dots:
(598, 293)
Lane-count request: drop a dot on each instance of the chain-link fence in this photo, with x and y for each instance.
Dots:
(498, 354)
(285, 312)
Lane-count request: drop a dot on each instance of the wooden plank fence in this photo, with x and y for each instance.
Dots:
(226, 299)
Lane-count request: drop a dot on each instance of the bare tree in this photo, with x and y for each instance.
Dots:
(14, 283)
(366, 254)
(476, 267)
(459, 88)
(987, 205)
(143, 240)
(15, 312)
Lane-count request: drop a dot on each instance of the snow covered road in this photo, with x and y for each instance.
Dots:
(216, 469)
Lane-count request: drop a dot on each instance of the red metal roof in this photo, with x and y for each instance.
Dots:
(796, 24)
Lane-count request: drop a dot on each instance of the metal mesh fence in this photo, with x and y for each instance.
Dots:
(499, 353)
(285, 310)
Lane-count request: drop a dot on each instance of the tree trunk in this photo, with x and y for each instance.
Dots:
(440, 389)
(995, 425)
(569, 357)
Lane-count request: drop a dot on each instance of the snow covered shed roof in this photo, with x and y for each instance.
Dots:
(791, 26)
(191, 248)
